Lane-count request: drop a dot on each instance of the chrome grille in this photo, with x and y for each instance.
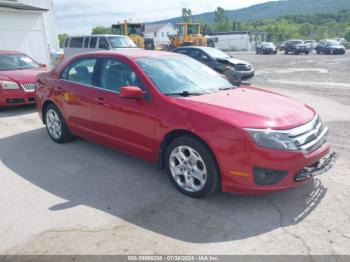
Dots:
(243, 67)
(29, 87)
(309, 137)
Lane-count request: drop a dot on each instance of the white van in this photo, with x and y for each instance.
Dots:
(82, 44)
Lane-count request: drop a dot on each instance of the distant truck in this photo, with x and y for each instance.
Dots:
(296, 47)
(83, 44)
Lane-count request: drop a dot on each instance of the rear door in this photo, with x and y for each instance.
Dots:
(76, 91)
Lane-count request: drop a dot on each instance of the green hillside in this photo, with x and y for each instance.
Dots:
(275, 9)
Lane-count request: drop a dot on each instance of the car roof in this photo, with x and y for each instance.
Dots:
(203, 48)
(73, 36)
(4, 52)
(137, 53)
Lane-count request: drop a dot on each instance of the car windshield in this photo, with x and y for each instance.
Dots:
(268, 44)
(121, 42)
(298, 42)
(332, 42)
(216, 53)
(16, 61)
(181, 74)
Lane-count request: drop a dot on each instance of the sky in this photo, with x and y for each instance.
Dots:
(80, 16)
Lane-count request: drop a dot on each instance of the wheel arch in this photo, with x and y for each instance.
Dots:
(169, 137)
(43, 109)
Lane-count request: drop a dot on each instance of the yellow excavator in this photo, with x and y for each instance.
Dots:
(136, 31)
(189, 34)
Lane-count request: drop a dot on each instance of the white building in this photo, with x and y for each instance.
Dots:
(28, 26)
(160, 33)
(238, 40)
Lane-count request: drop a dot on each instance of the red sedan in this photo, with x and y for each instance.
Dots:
(17, 78)
(172, 110)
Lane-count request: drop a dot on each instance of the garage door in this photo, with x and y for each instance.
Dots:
(24, 31)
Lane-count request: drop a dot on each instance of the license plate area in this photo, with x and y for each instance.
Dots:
(317, 169)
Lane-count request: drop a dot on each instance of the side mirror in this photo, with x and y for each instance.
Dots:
(131, 92)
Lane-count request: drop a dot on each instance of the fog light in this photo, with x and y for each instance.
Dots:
(268, 177)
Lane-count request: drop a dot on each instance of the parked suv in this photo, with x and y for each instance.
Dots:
(82, 44)
(330, 47)
(296, 47)
(312, 44)
(234, 69)
(266, 48)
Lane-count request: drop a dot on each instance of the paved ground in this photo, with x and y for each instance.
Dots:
(82, 198)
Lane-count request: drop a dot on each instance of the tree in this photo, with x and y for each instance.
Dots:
(347, 35)
(61, 38)
(186, 15)
(100, 30)
(221, 21)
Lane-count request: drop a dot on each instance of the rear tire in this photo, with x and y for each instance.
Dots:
(56, 125)
(192, 167)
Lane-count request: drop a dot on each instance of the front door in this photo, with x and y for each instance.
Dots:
(123, 123)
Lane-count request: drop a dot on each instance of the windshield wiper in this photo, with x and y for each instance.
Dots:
(227, 88)
(185, 93)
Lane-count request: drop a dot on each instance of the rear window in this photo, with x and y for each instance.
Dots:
(76, 42)
(93, 41)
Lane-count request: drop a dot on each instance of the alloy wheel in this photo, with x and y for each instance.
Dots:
(188, 168)
(53, 123)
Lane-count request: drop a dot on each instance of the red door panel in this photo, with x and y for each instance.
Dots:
(125, 123)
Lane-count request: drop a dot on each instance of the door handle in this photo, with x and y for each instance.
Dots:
(101, 101)
(59, 90)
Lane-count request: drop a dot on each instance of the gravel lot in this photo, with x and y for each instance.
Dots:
(83, 198)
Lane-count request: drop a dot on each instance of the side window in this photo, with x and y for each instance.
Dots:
(76, 42)
(86, 42)
(182, 51)
(93, 41)
(195, 53)
(66, 42)
(81, 71)
(115, 74)
(103, 44)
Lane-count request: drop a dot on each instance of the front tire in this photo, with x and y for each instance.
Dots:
(56, 125)
(191, 167)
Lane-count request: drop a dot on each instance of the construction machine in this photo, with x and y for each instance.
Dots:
(136, 31)
(189, 34)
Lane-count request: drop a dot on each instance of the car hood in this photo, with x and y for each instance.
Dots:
(21, 76)
(250, 107)
(233, 61)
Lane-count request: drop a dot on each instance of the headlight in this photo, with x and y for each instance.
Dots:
(8, 85)
(272, 139)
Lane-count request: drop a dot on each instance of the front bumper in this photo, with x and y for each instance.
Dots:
(238, 169)
(337, 51)
(269, 51)
(16, 97)
(243, 75)
(317, 169)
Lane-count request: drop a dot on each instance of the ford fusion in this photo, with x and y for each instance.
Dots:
(17, 78)
(177, 112)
